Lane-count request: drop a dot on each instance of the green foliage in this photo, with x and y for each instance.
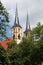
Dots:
(20, 54)
(3, 21)
(37, 53)
(3, 57)
(27, 52)
(37, 29)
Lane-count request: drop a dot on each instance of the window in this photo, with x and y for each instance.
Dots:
(19, 36)
(13, 36)
(36, 37)
(14, 30)
(19, 29)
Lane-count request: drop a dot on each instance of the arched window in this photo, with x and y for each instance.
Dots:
(19, 36)
(13, 36)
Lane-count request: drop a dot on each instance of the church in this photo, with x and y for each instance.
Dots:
(16, 30)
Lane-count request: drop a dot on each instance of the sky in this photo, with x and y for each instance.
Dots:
(34, 8)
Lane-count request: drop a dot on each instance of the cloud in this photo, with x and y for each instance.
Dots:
(34, 7)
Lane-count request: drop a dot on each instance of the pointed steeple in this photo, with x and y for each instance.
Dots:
(27, 23)
(16, 17)
(27, 32)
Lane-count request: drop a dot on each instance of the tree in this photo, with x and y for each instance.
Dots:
(4, 59)
(3, 24)
(37, 53)
(25, 52)
(37, 29)
(12, 52)
(7, 55)
(20, 54)
(3, 21)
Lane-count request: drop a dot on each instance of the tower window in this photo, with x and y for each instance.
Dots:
(13, 36)
(19, 29)
(19, 36)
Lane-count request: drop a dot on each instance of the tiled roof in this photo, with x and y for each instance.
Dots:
(4, 43)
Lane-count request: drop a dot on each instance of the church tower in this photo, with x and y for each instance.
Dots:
(27, 32)
(16, 29)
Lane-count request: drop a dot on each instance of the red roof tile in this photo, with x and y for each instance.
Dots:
(4, 43)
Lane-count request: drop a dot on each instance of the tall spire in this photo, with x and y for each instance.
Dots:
(27, 23)
(16, 17)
